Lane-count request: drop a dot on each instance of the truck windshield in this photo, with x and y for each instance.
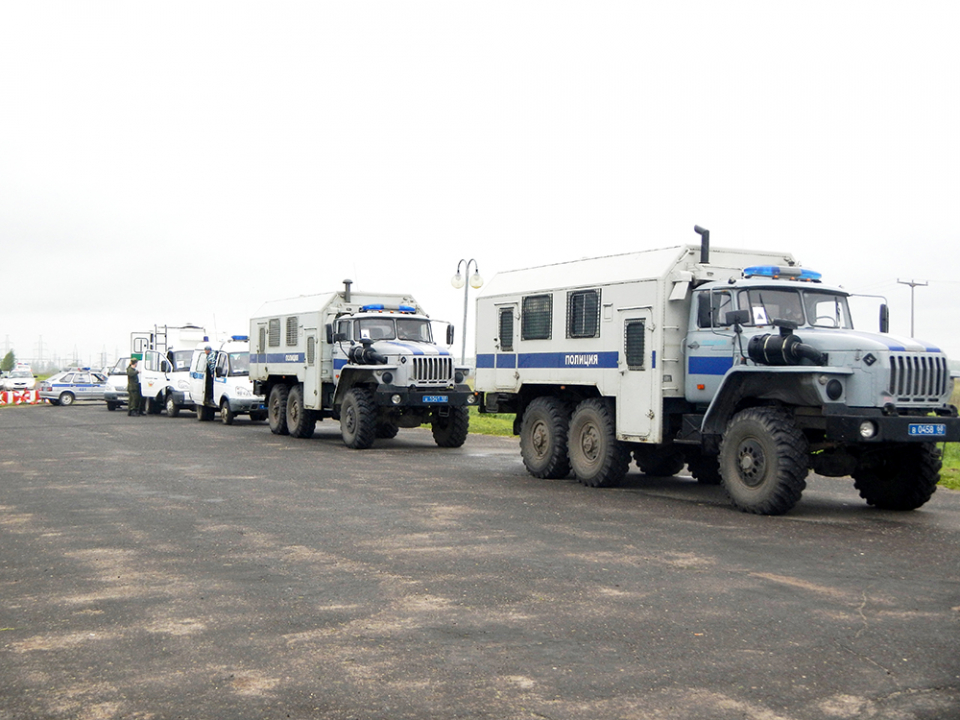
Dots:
(804, 307)
(387, 328)
(180, 359)
(239, 363)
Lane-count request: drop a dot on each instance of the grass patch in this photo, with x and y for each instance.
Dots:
(490, 423)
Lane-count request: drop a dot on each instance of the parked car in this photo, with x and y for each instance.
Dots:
(116, 392)
(18, 380)
(68, 386)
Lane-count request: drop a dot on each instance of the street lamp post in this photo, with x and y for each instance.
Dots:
(459, 281)
(914, 284)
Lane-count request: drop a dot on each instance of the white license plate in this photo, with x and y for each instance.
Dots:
(927, 429)
(435, 398)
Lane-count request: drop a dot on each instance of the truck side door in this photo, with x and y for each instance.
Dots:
(635, 412)
(505, 357)
(709, 344)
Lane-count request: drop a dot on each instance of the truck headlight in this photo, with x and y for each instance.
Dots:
(396, 399)
(867, 429)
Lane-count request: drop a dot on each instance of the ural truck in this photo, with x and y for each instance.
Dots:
(366, 359)
(228, 390)
(740, 364)
(165, 354)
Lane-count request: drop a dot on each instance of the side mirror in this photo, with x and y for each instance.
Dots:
(330, 337)
(221, 371)
(737, 317)
(884, 318)
(450, 333)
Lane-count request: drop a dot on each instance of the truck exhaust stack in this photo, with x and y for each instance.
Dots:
(704, 243)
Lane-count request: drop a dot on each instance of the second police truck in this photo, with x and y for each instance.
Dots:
(368, 360)
(740, 364)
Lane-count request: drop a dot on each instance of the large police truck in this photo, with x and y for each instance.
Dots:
(368, 360)
(740, 364)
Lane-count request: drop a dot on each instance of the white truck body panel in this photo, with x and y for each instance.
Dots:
(643, 296)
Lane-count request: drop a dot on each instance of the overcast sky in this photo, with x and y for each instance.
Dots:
(180, 162)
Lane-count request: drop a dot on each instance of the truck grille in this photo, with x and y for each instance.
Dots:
(919, 378)
(433, 370)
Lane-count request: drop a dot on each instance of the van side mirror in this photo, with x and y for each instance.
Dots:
(450, 333)
(884, 318)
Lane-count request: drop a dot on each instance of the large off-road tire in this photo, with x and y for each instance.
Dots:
(659, 461)
(543, 438)
(901, 477)
(301, 422)
(66, 398)
(387, 430)
(172, 408)
(277, 409)
(763, 461)
(358, 419)
(451, 431)
(704, 468)
(227, 416)
(597, 458)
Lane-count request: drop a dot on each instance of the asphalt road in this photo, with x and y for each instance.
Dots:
(165, 568)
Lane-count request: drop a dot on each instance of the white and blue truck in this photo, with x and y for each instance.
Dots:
(366, 359)
(739, 364)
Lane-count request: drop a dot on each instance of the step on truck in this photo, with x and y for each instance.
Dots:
(739, 364)
(228, 389)
(368, 360)
(164, 354)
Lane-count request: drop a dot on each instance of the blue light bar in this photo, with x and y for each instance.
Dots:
(381, 307)
(368, 308)
(240, 338)
(407, 309)
(776, 272)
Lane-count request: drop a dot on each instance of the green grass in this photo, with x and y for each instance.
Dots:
(490, 424)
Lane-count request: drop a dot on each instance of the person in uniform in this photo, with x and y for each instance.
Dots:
(133, 389)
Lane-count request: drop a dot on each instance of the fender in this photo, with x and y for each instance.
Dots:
(353, 375)
(795, 385)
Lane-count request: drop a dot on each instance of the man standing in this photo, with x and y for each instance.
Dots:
(133, 388)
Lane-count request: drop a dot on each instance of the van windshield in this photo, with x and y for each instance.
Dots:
(239, 363)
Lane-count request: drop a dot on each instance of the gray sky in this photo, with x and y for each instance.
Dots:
(187, 161)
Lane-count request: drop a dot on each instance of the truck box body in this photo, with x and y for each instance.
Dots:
(615, 322)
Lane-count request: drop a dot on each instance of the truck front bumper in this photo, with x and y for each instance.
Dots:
(394, 396)
(872, 425)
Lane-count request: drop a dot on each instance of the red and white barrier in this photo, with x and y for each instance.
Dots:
(20, 397)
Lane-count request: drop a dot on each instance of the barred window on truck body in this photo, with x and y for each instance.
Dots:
(583, 314)
(311, 350)
(634, 343)
(536, 320)
(274, 330)
(506, 329)
(292, 326)
(262, 339)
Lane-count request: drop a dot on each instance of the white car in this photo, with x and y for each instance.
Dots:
(19, 380)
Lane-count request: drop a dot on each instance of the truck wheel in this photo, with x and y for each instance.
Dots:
(451, 431)
(226, 414)
(704, 468)
(358, 419)
(300, 421)
(659, 461)
(277, 409)
(172, 408)
(899, 478)
(387, 430)
(598, 459)
(763, 461)
(154, 406)
(543, 438)
(67, 398)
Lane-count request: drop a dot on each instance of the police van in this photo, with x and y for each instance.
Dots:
(228, 389)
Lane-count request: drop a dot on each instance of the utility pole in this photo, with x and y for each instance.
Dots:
(913, 284)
